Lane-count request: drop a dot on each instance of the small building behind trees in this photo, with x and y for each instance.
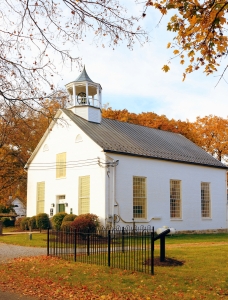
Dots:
(19, 207)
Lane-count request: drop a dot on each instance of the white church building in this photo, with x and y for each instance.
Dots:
(123, 172)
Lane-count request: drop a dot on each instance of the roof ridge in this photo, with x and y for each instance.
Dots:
(132, 139)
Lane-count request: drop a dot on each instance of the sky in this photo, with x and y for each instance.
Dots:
(134, 80)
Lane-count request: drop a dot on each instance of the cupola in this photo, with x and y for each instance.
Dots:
(85, 97)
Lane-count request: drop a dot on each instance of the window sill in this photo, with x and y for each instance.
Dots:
(206, 218)
(176, 219)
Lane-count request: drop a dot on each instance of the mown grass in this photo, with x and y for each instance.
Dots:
(203, 276)
(10, 229)
(197, 238)
(38, 239)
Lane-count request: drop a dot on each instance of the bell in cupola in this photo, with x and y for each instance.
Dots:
(85, 97)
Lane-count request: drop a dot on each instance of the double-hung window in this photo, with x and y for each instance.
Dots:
(139, 197)
(205, 200)
(61, 165)
(175, 199)
(40, 197)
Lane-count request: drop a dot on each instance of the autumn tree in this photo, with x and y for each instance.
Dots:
(210, 132)
(20, 132)
(35, 34)
(153, 120)
(200, 29)
(212, 135)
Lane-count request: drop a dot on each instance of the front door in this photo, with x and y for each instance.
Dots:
(61, 207)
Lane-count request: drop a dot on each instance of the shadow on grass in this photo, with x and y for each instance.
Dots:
(169, 262)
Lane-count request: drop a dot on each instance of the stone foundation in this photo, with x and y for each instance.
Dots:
(222, 230)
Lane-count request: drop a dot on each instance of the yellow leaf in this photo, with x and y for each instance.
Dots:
(168, 45)
(184, 76)
(193, 20)
(166, 68)
(175, 52)
(191, 53)
(182, 61)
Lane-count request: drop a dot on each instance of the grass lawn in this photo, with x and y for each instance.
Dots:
(38, 239)
(204, 275)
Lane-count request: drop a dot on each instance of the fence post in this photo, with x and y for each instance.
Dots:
(109, 248)
(162, 248)
(88, 244)
(75, 248)
(48, 241)
(123, 239)
(152, 251)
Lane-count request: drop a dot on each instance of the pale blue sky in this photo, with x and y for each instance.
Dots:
(134, 79)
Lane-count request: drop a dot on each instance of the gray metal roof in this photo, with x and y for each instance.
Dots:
(83, 76)
(125, 138)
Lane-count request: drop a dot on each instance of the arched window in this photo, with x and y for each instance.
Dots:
(78, 139)
(45, 148)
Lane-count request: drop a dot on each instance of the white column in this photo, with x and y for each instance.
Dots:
(98, 97)
(70, 97)
(87, 94)
(75, 101)
(74, 93)
(93, 100)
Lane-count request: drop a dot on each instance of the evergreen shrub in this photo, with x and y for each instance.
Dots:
(42, 221)
(24, 224)
(6, 222)
(70, 217)
(66, 225)
(57, 220)
(32, 222)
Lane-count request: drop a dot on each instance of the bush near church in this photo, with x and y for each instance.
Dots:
(66, 225)
(18, 222)
(24, 223)
(67, 221)
(69, 217)
(42, 221)
(6, 222)
(32, 222)
(57, 220)
(86, 223)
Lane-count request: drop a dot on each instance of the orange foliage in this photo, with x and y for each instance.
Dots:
(151, 119)
(20, 132)
(212, 135)
(200, 32)
(210, 132)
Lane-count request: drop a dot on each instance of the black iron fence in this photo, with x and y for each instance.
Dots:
(124, 248)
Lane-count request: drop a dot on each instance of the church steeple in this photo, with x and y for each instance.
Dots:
(85, 97)
(83, 76)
